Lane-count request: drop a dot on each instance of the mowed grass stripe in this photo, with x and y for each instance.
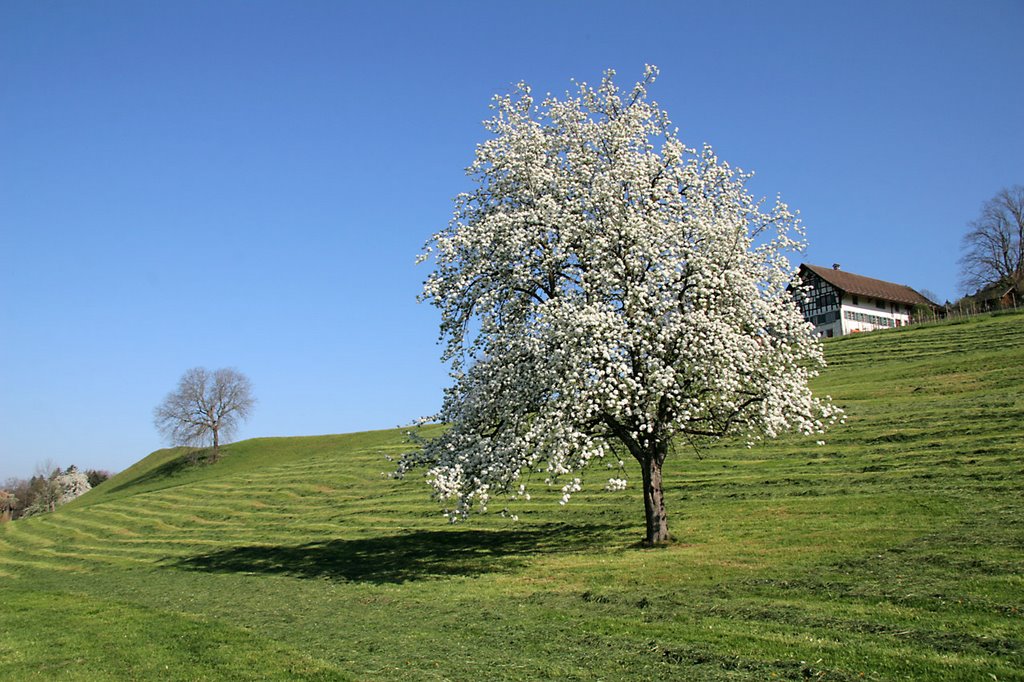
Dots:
(894, 551)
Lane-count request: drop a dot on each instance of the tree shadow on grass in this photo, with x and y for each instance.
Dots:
(191, 459)
(412, 556)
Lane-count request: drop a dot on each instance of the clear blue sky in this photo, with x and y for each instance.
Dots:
(247, 184)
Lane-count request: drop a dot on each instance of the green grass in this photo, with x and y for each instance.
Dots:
(894, 551)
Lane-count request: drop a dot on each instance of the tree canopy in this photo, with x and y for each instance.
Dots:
(605, 289)
(207, 407)
(993, 249)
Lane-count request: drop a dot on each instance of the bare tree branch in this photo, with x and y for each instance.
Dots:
(207, 407)
(994, 246)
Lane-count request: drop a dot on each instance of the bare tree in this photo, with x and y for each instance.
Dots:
(8, 502)
(52, 487)
(994, 247)
(45, 487)
(206, 407)
(20, 495)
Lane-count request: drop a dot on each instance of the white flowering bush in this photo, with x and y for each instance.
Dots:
(60, 488)
(605, 289)
(71, 483)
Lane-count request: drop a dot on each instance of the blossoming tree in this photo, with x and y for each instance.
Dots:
(606, 289)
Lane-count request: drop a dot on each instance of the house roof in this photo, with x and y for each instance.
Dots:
(997, 290)
(868, 286)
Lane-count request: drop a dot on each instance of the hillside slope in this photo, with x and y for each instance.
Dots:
(893, 551)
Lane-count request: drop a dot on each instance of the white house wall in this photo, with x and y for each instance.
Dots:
(865, 315)
(829, 330)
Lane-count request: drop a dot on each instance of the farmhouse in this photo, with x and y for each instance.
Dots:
(998, 296)
(839, 302)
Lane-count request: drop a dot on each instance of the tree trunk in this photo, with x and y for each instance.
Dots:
(650, 455)
(654, 500)
(216, 444)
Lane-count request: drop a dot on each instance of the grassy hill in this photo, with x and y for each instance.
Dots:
(894, 551)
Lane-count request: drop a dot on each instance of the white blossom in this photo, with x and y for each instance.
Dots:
(605, 286)
(71, 483)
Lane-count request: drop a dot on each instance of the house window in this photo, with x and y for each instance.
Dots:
(855, 301)
(818, 298)
(880, 304)
(870, 319)
(825, 318)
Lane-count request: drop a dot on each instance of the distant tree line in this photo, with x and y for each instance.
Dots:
(49, 488)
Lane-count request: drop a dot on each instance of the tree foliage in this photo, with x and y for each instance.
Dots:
(19, 492)
(994, 246)
(72, 483)
(47, 492)
(96, 476)
(207, 407)
(605, 289)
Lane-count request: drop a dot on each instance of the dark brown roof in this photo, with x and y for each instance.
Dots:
(997, 290)
(867, 286)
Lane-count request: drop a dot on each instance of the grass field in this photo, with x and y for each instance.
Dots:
(894, 551)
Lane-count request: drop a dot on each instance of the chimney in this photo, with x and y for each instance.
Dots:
(835, 266)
